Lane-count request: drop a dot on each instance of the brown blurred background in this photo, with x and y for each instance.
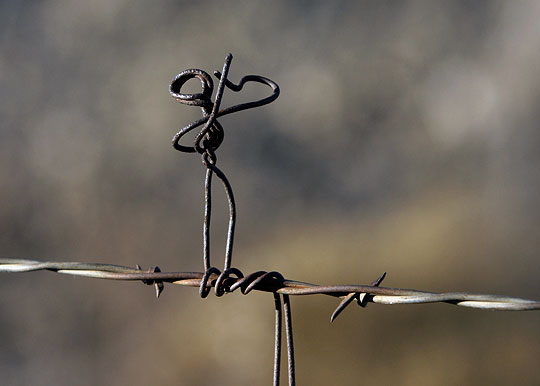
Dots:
(405, 140)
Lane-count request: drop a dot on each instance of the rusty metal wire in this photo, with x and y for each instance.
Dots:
(210, 138)
(230, 279)
(206, 143)
(274, 282)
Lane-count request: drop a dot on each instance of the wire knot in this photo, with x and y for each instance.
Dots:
(225, 283)
(251, 281)
(158, 284)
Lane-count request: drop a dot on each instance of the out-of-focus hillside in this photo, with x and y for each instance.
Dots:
(405, 139)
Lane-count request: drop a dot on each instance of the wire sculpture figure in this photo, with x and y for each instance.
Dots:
(210, 138)
(207, 141)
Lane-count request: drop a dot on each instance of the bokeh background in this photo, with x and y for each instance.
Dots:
(405, 140)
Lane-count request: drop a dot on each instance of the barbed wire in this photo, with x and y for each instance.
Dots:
(372, 293)
(275, 283)
(231, 279)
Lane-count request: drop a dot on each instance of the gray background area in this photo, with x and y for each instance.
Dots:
(405, 140)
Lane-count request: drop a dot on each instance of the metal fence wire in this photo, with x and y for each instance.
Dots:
(206, 142)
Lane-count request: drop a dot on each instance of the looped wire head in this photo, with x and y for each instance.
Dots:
(211, 109)
(202, 99)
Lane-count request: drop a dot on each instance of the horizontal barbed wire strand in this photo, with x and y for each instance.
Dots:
(375, 294)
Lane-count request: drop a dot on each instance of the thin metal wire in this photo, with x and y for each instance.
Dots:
(272, 282)
(206, 142)
(207, 218)
(374, 294)
(232, 214)
(277, 340)
(360, 297)
(290, 345)
(211, 136)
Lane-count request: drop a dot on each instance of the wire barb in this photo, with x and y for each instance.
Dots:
(360, 298)
(158, 284)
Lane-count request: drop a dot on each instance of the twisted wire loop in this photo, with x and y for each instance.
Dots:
(256, 280)
(209, 139)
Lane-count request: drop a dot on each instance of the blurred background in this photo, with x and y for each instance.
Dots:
(405, 140)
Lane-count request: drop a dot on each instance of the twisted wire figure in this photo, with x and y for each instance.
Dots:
(206, 143)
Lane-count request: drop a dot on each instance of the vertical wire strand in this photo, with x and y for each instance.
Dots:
(232, 215)
(215, 107)
(277, 344)
(211, 167)
(290, 345)
(207, 218)
(221, 85)
(208, 181)
(220, 174)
